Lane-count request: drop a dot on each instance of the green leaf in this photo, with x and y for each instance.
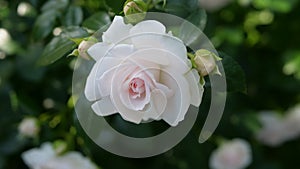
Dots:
(55, 5)
(56, 49)
(97, 21)
(44, 24)
(74, 32)
(181, 8)
(59, 46)
(115, 6)
(235, 76)
(73, 16)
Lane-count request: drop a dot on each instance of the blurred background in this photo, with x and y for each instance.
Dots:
(36, 99)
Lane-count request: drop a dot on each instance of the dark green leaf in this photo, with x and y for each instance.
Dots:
(74, 32)
(235, 77)
(44, 24)
(61, 45)
(97, 21)
(57, 48)
(55, 5)
(181, 8)
(73, 16)
(115, 6)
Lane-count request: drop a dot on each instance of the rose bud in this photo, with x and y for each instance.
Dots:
(83, 47)
(134, 10)
(206, 62)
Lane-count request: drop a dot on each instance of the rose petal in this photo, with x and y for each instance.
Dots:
(104, 107)
(117, 31)
(121, 50)
(127, 114)
(196, 89)
(92, 91)
(35, 157)
(98, 50)
(148, 26)
(160, 41)
(153, 55)
(178, 104)
(168, 92)
(134, 104)
(105, 81)
(158, 103)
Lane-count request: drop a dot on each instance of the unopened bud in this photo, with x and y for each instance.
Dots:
(206, 62)
(83, 47)
(134, 10)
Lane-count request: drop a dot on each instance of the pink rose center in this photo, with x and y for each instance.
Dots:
(137, 88)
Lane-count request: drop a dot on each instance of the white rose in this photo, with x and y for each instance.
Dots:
(46, 158)
(292, 119)
(234, 154)
(36, 157)
(291, 123)
(29, 127)
(71, 160)
(273, 131)
(143, 73)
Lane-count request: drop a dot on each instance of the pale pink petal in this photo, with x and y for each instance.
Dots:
(178, 104)
(196, 89)
(105, 81)
(148, 26)
(117, 31)
(121, 50)
(153, 55)
(167, 91)
(104, 107)
(92, 91)
(127, 114)
(158, 105)
(99, 50)
(135, 104)
(161, 41)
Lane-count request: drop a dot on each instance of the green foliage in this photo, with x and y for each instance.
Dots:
(96, 21)
(36, 77)
(61, 45)
(235, 77)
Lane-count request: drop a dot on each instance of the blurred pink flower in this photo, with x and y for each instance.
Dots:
(234, 154)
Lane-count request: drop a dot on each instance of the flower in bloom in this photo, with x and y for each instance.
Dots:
(29, 127)
(234, 154)
(142, 73)
(276, 130)
(292, 122)
(272, 132)
(46, 158)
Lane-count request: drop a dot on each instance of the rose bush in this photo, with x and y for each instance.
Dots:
(143, 73)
